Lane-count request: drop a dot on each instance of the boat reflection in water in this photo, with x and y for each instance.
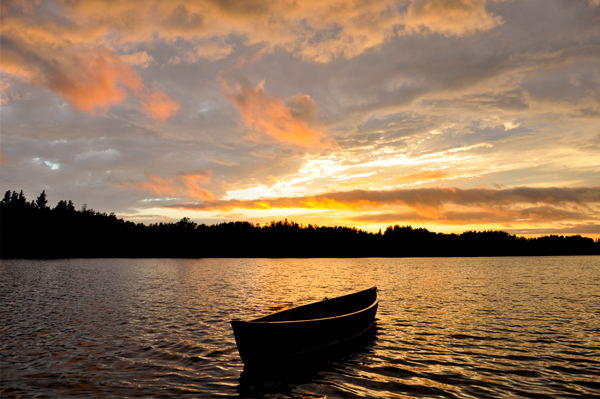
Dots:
(300, 332)
(293, 377)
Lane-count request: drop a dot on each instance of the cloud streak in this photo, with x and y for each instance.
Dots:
(421, 197)
(439, 208)
(183, 184)
(435, 203)
(498, 215)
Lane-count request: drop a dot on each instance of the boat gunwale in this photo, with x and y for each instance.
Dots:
(255, 321)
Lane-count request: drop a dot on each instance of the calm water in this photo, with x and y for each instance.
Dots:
(451, 327)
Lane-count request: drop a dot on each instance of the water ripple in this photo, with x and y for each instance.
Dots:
(446, 328)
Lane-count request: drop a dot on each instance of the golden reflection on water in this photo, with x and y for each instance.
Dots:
(468, 327)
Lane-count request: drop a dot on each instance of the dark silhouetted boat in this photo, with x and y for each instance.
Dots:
(305, 330)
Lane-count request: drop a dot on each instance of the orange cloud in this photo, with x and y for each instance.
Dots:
(157, 105)
(317, 31)
(89, 78)
(192, 180)
(450, 17)
(154, 184)
(522, 203)
(269, 115)
(94, 81)
(314, 30)
(181, 185)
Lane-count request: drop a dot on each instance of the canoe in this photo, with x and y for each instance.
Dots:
(307, 329)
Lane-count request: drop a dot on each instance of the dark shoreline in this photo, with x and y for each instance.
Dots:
(32, 230)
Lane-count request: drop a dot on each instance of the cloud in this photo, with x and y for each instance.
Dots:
(210, 50)
(191, 180)
(317, 31)
(303, 107)
(269, 115)
(140, 58)
(406, 88)
(450, 17)
(183, 184)
(96, 81)
(157, 105)
(424, 175)
(544, 214)
(567, 229)
(5, 91)
(223, 161)
(89, 78)
(425, 201)
(502, 208)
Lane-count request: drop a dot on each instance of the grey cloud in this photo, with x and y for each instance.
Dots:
(531, 41)
(512, 100)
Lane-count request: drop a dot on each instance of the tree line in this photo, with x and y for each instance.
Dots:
(36, 231)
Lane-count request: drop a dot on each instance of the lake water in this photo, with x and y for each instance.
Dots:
(446, 327)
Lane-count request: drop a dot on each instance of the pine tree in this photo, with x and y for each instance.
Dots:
(42, 202)
(6, 199)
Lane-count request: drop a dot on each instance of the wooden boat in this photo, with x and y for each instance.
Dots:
(305, 329)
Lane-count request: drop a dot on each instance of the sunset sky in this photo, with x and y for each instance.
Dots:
(451, 115)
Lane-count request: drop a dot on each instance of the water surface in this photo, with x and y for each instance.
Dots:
(446, 327)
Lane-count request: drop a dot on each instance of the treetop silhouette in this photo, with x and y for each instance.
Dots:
(34, 230)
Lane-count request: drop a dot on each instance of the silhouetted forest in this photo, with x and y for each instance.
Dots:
(34, 230)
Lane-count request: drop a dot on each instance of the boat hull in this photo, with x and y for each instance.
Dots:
(261, 342)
